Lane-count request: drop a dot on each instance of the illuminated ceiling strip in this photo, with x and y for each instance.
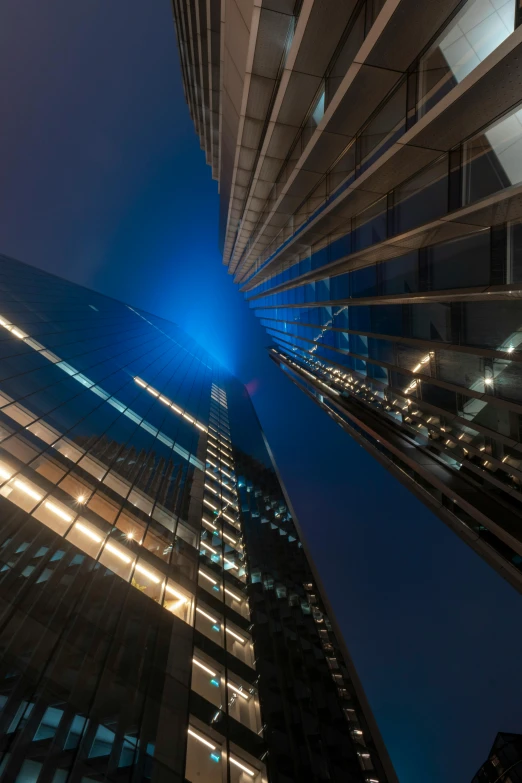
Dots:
(220, 495)
(235, 635)
(204, 545)
(207, 577)
(238, 691)
(201, 739)
(214, 444)
(205, 668)
(218, 478)
(118, 553)
(84, 381)
(234, 596)
(93, 533)
(208, 616)
(21, 485)
(168, 402)
(153, 578)
(88, 532)
(221, 437)
(175, 593)
(58, 511)
(242, 766)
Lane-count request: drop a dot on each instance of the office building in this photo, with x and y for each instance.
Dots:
(504, 764)
(369, 158)
(160, 619)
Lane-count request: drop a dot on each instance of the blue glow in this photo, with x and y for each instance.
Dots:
(216, 628)
(215, 756)
(215, 683)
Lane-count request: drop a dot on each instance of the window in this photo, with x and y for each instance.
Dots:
(479, 28)
(493, 158)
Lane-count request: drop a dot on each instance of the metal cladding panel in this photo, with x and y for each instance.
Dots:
(272, 36)
(325, 26)
(259, 96)
(324, 154)
(252, 132)
(507, 207)
(281, 138)
(369, 87)
(302, 87)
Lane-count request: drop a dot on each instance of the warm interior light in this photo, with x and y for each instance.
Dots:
(148, 574)
(205, 668)
(241, 766)
(87, 532)
(5, 474)
(209, 578)
(175, 593)
(234, 596)
(209, 617)
(200, 739)
(27, 489)
(204, 545)
(166, 401)
(235, 635)
(117, 552)
(58, 511)
(81, 498)
(236, 690)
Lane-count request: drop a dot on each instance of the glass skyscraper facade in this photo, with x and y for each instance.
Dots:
(504, 764)
(159, 617)
(368, 154)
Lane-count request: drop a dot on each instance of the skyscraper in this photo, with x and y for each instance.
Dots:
(369, 162)
(160, 619)
(504, 764)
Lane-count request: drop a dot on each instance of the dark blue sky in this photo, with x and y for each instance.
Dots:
(103, 182)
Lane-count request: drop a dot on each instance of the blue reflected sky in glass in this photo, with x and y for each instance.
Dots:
(104, 183)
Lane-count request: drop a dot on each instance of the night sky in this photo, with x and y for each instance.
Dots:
(102, 181)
